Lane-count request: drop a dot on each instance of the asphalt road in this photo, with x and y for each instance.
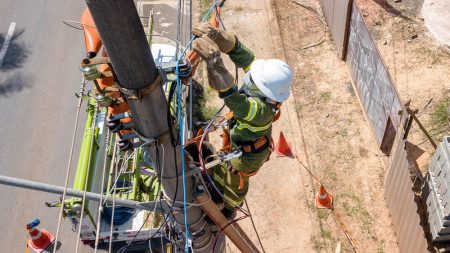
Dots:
(38, 78)
(39, 61)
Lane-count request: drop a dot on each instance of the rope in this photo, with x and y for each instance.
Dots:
(307, 169)
(344, 228)
(69, 164)
(100, 207)
(254, 227)
(83, 202)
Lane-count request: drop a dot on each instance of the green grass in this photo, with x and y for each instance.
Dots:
(440, 118)
(205, 5)
(325, 97)
(208, 112)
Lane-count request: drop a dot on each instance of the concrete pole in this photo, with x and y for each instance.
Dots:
(123, 36)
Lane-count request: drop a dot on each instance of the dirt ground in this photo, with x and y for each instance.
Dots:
(326, 126)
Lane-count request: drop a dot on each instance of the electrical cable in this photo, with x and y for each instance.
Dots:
(221, 230)
(69, 164)
(121, 250)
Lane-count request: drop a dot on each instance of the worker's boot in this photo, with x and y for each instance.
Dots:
(229, 213)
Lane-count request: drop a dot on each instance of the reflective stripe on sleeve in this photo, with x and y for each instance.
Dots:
(252, 110)
(246, 69)
(242, 125)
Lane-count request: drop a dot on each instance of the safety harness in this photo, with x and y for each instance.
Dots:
(249, 147)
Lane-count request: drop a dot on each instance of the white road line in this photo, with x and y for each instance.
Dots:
(6, 43)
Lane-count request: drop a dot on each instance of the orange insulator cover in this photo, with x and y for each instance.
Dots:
(91, 37)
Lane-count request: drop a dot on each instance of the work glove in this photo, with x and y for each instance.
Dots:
(219, 77)
(224, 40)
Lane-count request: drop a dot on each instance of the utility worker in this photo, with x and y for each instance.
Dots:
(267, 83)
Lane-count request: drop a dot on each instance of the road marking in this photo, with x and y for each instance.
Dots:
(6, 43)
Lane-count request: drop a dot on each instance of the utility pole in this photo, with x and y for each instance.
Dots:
(123, 36)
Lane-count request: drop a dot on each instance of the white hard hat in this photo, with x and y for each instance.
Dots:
(273, 77)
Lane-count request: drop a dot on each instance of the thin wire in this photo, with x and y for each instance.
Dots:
(83, 201)
(154, 207)
(123, 168)
(100, 207)
(113, 208)
(69, 164)
(183, 169)
(67, 22)
(253, 224)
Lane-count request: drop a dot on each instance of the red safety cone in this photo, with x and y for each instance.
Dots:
(39, 239)
(324, 200)
(282, 148)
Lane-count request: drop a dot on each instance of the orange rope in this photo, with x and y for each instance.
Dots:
(337, 218)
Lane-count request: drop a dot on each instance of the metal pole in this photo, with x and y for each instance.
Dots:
(37, 186)
(123, 36)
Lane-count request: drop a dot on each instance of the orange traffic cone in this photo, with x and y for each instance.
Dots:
(39, 240)
(282, 148)
(324, 200)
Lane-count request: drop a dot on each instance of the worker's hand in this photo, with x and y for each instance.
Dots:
(225, 40)
(219, 77)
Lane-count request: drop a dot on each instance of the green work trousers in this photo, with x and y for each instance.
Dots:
(228, 181)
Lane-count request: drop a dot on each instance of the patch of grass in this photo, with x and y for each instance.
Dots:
(434, 55)
(310, 205)
(238, 8)
(381, 247)
(298, 107)
(440, 118)
(318, 246)
(323, 213)
(354, 207)
(324, 97)
(350, 89)
(208, 112)
(205, 5)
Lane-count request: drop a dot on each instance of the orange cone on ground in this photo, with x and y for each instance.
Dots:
(324, 200)
(39, 239)
(282, 148)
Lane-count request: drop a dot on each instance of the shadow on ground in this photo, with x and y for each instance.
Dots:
(16, 54)
(13, 83)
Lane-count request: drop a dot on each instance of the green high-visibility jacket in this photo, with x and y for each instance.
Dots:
(253, 115)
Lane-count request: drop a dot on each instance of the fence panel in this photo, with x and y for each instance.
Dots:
(336, 14)
(400, 200)
(373, 82)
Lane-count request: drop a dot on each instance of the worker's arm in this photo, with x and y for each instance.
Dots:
(228, 43)
(245, 108)
(241, 55)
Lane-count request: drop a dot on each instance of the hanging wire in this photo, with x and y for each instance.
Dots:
(100, 207)
(83, 201)
(113, 205)
(69, 23)
(161, 167)
(254, 227)
(69, 164)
